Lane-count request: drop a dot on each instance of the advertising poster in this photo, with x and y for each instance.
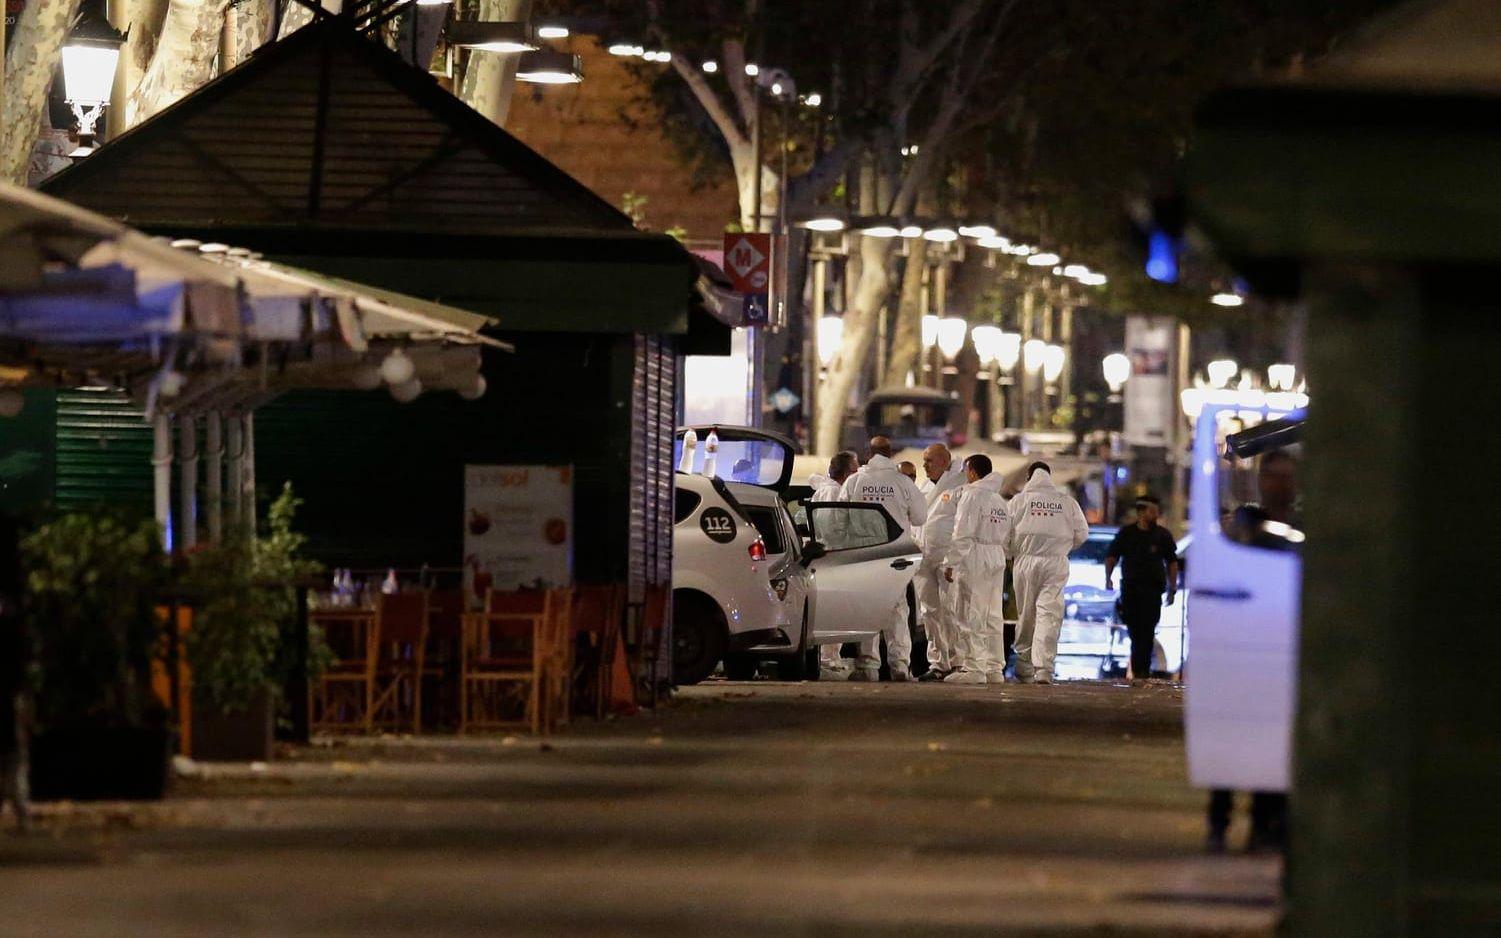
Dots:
(1149, 404)
(518, 528)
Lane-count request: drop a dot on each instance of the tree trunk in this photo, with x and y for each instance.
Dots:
(35, 50)
(247, 27)
(906, 342)
(859, 332)
(743, 159)
(184, 58)
(490, 77)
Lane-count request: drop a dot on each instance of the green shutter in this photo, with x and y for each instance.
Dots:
(103, 451)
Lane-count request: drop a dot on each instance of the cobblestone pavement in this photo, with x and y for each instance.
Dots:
(741, 809)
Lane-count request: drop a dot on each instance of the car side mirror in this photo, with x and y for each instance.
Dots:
(813, 551)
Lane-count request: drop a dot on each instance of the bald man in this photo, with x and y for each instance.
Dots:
(882, 482)
(945, 482)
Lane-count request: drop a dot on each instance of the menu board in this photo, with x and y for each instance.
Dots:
(518, 528)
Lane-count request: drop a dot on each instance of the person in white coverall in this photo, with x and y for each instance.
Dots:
(945, 481)
(883, 483)
(976, 566)
(1046, 524)
(827, 489)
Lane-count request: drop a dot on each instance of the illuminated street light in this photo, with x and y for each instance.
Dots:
(911, 231)
(1221, 371)
(503, 36)
(711, 66)
(1009, 351)
(1227, 299)
(951, 334)
(626, 49)
(1053, 359)
(1192, 402)
(813, 100)
(1117, 368)
(987, 342)
(90, 56)
(1281, 377)
(822, 223)
(995, 243)
(550, 68)
(929, 331)
(752, 69)
(830, 336)
(941, 235)
(1033, 353)
(1093, 279)
(1075, 271)
(545, 32)
(979, 232)
(1043, 260)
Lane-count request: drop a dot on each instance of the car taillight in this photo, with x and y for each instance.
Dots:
(757, 549)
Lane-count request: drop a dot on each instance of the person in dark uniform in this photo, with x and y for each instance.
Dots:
(1148, 557)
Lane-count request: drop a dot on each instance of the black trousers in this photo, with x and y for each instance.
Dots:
(1268, 816)
(1141, 610)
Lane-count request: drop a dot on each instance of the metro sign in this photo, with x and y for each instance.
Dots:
(747, 259)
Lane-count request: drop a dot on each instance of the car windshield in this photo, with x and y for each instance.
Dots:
(1092, 550)
(758, 462)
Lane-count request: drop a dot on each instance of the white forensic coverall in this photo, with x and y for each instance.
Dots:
(1046, 524)
(883, 483)
(826, 489)
(932, 589)
(978, 559)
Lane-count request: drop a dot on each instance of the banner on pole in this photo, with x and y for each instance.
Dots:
(1150, 407)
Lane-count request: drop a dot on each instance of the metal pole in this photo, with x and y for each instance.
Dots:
(213, 479)
(247, 475)
(1181, 438)
(756, 155)
(161, 472)
(812, 363)
(187, 482)
(234, 464)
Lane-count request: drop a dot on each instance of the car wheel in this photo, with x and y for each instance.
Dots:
(740, 667)
(698, 638)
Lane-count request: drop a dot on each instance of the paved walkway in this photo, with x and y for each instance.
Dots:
(744, 809)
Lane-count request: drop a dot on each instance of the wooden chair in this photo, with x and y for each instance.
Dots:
(400, 640)
(445, 629)
(340, 700)
(597, 612)
(505, 658)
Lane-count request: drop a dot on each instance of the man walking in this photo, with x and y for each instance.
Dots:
(827, 489)
(976, 566)
(1045, 525)
(945, 481)
(1148, 557)
(881, 482)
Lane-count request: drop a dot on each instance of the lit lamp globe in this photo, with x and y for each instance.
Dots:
(929, 331)
(1221, 371)
(90, 55)
(1008, 351)
(1117, 368)
(475, 390)
(397, 368)
(952, 331)
(986, 339)
(1192, 401)
(830, 337)
(407, 391)
(1052, 363)
(1033, 353)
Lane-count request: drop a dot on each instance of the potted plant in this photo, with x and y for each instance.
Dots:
(92, 586)
(244, 616)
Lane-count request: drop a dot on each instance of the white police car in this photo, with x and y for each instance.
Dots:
(749, 584)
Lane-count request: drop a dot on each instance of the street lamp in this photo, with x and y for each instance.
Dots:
(1008, 351)
(1044, 259)
(89, 59)
(550, 68)
(1117, 368)
(941, 235)
(1192, 401)
(1052, 362)
(830, 336)
(1033, 353)
(1220, 371)
(503, 36)
(1281, 376)
(929, 331)
(994, 243)
(822, 223)
(978, 232)
(951, 333)
(987, 342)
(1227, 299)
